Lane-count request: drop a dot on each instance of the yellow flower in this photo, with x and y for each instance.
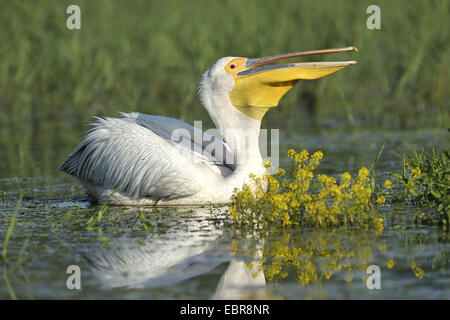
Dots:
(390, 264)
(346, 176)
(281, 172)
(418, 271)
(267, 163)
(416, 172)
(409, 187)
(388, 184)
(291, 153)
(301, 157)
(318, 155)
(363, 172)
(381, 200)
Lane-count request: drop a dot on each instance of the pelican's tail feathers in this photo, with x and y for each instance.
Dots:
(72, 162)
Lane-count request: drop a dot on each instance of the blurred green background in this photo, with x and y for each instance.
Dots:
(148, 56)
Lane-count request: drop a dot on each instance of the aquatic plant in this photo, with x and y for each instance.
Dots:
(6, 240)
(425, 181)
(4, 196)
(307, 199)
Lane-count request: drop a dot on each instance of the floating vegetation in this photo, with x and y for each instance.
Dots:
(305, 198)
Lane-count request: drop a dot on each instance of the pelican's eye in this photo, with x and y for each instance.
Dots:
(235, 66)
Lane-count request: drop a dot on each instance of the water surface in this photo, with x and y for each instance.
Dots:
(196, 253)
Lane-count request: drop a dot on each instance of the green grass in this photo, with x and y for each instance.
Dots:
(148, 56)
(425, 182)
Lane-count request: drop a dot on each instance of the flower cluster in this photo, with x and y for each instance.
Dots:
(304, 198)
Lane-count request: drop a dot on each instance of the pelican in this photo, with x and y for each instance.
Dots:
(141, 159)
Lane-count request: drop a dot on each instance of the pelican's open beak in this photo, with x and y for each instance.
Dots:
(259, 86)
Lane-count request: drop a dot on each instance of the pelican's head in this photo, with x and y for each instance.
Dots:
(254, 85)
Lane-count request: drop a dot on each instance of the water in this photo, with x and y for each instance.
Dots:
(195, 253)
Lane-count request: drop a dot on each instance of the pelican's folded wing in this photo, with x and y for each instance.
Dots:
(121, 154)
(205, 147)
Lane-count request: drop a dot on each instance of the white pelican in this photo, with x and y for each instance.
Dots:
(134, 160)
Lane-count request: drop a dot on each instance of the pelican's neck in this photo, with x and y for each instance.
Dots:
(240, 133)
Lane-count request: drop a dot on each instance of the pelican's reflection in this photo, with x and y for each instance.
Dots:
(192, 245)
(242, 279)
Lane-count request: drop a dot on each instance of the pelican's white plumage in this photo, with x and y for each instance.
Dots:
(135, 159)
